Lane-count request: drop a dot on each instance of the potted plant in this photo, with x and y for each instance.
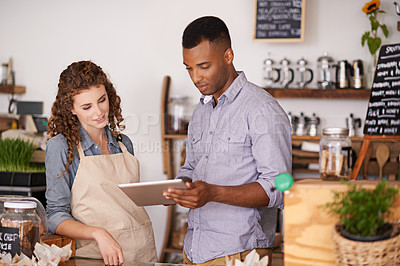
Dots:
(15, 166)
(364, 234)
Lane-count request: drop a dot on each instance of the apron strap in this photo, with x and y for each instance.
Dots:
(80, 151)
(122, 146)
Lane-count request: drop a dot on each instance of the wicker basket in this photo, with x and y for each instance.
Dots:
(349, 252)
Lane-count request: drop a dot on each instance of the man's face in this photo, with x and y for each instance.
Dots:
(207, 65)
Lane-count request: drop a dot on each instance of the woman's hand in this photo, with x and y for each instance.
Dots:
(109, 248)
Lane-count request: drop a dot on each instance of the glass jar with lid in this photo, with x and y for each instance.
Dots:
(178, 118)
(335, 154)
(19, 229)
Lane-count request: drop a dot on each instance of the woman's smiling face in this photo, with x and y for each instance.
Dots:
(91, 107)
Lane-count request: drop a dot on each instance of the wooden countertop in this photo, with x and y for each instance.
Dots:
(90, 262)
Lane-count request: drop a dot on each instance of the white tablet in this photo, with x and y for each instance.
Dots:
(151, 193)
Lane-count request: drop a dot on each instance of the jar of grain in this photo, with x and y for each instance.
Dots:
(335, 154)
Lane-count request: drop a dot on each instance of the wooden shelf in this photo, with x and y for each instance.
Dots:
(304, 170)
(317, 138)
(294, 137)
(12, 89)
(175, 136)
(350, 94)
(172, 250)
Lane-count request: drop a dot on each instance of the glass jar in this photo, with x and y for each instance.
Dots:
(335, 154)
(19, 229)
(3, 73)
(177, 120)
(40, 210)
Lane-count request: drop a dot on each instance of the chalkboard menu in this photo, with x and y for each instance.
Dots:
(383, 114)
(279, 20)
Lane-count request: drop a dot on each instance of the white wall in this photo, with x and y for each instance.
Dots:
(138, 42)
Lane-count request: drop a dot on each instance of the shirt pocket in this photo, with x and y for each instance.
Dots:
(232, 147)
(198, 148)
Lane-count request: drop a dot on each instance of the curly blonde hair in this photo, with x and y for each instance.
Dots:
(78, 77)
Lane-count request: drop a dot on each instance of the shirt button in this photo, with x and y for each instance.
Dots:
(193, 139)
(210, 132)
(229, 138)
(206, 156)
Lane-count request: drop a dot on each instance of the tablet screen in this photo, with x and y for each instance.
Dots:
(151, 193)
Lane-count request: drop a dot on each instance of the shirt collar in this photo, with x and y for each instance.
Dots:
(232, 91)
(87, 142)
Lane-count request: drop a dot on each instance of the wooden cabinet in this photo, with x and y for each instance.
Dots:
(303, 160)
(167, 141)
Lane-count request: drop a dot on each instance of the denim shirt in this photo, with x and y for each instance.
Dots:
(245, 138)
(58, 192)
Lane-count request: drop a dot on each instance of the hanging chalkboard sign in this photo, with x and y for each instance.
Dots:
(279, 20)
(383, 114)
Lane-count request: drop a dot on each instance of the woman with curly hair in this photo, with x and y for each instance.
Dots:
(86, 158)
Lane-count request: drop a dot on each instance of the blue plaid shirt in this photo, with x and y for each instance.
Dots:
(246, 138)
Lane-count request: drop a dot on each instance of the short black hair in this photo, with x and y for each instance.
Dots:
(207, 28)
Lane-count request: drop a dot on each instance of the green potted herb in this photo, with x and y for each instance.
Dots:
(363, 212)
(15, 166)
(363, 236)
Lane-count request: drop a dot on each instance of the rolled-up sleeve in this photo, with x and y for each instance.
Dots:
(58, 191)
(271, 138)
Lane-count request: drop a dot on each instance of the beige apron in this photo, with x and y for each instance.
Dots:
(96, 200)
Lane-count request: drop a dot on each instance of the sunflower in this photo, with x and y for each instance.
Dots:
(371, 6)
(371, 37)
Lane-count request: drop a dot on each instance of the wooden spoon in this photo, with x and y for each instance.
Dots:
(382, 155)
